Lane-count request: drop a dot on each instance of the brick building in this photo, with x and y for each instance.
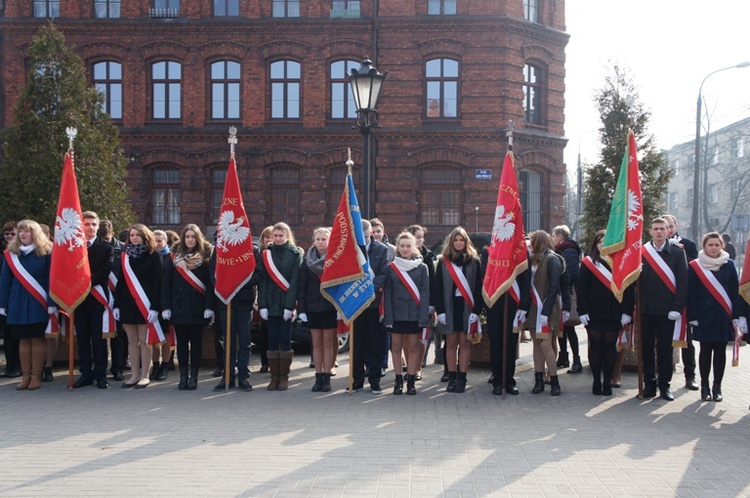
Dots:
(177, 74)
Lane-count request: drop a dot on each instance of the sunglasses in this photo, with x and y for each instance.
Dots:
(10, 234)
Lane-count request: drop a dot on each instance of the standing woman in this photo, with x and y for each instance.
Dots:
(26, 266)
(265, 240)
(277, 297)
(544, 314)
(407, 308)
(458, 302)
(712, 305)
(317, 311)
(162, 352)
(187, 300)
(602, 314)
(137, 300)
(428, 258)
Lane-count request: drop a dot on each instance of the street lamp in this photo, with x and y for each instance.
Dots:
(476, 219)
(694, 219)
(365, 84)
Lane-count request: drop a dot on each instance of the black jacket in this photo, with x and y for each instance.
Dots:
(101, 256)
(687, 245)
(309, 298)
(657, 299)
(597, 300)
(377, 256)
(186, 303)
(147, 269)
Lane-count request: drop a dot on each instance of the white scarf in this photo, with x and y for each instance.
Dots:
(407, 264)
(713, 264)
(27, 249)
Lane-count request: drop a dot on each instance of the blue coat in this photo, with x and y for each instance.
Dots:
(714, 325)
(22, 308)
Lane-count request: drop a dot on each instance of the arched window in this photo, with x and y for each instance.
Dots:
(342, 100)
(225, 90)
(442, 88)
(166, 82)
(285, 89)
(531, 199)
(285, 195)
(165, 197)
(108, 80)
(218, 177)
(440, 196)
(532, 94)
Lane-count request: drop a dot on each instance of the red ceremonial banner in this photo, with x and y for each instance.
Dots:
(745, 276)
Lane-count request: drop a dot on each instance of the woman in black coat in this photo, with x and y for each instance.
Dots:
(145, 264)
(710, 313)
(428, 258)
(602, 315)
(187, 300)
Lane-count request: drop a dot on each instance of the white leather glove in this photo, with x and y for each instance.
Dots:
(521, 316)
(743, 324)
(389, 326)
(52, 310)
(3, 312)
(473, 317)
(116, 314)
(626, 319)
(544, 320)
(153, 316)
(566, 315)
(674, 315)
(338, 316)
(287, 315)
(585, 319)
(432, 310)
(208, 314)
(264, 314)
(166, 314)
(441, 319)
(303, 317)
(694, 323)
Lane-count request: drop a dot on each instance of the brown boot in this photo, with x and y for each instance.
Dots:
(617, 372)
(38, 358)
(285, 364)
(24, 354)
(273, 368)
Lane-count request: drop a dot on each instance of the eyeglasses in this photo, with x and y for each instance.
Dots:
(9, 234)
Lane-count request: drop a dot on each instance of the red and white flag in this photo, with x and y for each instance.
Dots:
(745, 276)
(70, 275)
(507, 256)
(235, 260)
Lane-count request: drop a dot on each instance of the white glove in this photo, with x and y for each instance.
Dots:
(303, 317)
(674, 315)
(338, 316)
(432, 310)
(544, 320)
(521, 316)
(3, 312)
(473, 317)
(743, 325)
(566, 315)
(52, 310)
(152, 316)
(264, 314)
(208, 314)
(626, 319)
(166, 314)
(441, 319)
(585, 319)
(694, 323)
(389, 326)
(116, 314)
(287, 315)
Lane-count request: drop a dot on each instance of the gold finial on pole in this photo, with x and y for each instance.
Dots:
(349, 162)
(509, 134)
(232, 140)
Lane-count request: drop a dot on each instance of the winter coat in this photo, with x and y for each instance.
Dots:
(398, 303)
(714, 324)
(288, 260)
(598, 302)
(186, 303)
(656, 297)
(546, 280)
(101, 258)
(21, 307)
(377, 257)
(309, 298)
(445, 290)
(428, 258)
(147, 269)
(571, 253)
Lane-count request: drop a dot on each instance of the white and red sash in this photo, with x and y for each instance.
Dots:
(462, 285)
(712, 285)
(599, 271)
(190, 278)
(34, 288)
(665, 273)
(515, 294)
(155, 333)
(274, 272)
(112, 282)
(408, 282)
(109, 329)
(539, 303)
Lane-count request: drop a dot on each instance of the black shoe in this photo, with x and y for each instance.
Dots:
(445, 377)
(691, 384)
(451, 387)
(491, 380)
(220, 386)
(219, 371)
(497, 390)
(4, 373)
(375, 387)
(717, 393)
(127, 385)
(417, 376)
(326, 386)
(398, 385)
(16, 372)
(153, 371)
(460, 382)
(161, 373)
(182, 386)
(47, 374)
(576, 368)
(666, 395)
(596, 388)
(318, 383)
(649, 392)
(706, 393)
(382, 372)
(102, 384)
(555, 389)
(118, 376)
(192, 383)
(83, 381)
(562, 360)
(512, 389)
(607, 389)
(356, 387)
(538, 383)
(244, 385)
(263, 369)
(410, 387)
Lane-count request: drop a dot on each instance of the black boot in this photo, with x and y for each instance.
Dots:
(538, 383)
(47, 375)
(451, 382)
(325, 387)
(460, 382)
(607, 387)
(410, 388)
(562, 360)
(153, 372)
(318, 386)
(597, 388)
(161, 373)
(192, 384)
(717, 392)
(398, 385)
(182, 386)
(576, 367)
(555, 389)
(705, 391)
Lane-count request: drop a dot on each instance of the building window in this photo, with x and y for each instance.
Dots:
(336, 188)
(532, 94)
(165, 190)
(676, 167)
(165, 8)
(441, 7)
(218, 177)
(285, 91)
(531, 200)
(286, 8)
(531, 10)
(47, 8)
(442, 88)
(342, 100)
(225, 8)
(440, 196)
(225, 90)
(673, 201)
(345, 8)
(689, 200)
(739, 147)
(167, 87)
(713, 193)
(104, 9)
(108, 80)
(285, 194)
(715, 157)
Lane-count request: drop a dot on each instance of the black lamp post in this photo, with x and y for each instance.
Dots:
(365, 84)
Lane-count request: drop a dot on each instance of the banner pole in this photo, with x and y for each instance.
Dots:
(639, 330)
(351, 358)
(505, 342)
(228, 346)
(71, 353)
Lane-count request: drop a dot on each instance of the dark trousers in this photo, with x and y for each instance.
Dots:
(219, 343)
(716, 351)
(602, 354)
(239, 354)
(279, 334)
(10, 345)
(498, 348)
(367, 346)
(569, 335)
(189, 344)
(657, 332)
(688, 355)
(92, 349)
(119, 346)
(385, 345)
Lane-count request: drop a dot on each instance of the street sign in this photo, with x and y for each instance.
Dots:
(484, 174)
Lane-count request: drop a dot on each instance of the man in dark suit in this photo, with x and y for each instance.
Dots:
(92, 348)
(691, 252)
(661, 306)
(119, 343)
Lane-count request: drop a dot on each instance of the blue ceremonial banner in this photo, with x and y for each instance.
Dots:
(347, 279)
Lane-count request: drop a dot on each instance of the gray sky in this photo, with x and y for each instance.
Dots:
(669, 47)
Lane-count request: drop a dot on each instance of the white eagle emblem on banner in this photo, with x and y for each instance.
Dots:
(230, 232)
(503, 228)
(68, 229)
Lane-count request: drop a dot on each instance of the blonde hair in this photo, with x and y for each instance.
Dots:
(540, 242)
(267, 232)
(288, 231)
(451, 254)
(41, 241)
(414, 248)
(324, 230)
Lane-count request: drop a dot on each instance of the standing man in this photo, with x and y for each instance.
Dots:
(691, 252)
(119, 343)
(571, 253)
(378, 233)
(367, 326)
(92, 348)
(664, 282)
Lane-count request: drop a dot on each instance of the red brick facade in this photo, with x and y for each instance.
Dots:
(491, 41)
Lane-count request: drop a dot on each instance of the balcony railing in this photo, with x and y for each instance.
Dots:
(345, 13)
(164, 13)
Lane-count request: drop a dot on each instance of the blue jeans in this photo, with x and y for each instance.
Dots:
(279, 334)
(239, 356)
